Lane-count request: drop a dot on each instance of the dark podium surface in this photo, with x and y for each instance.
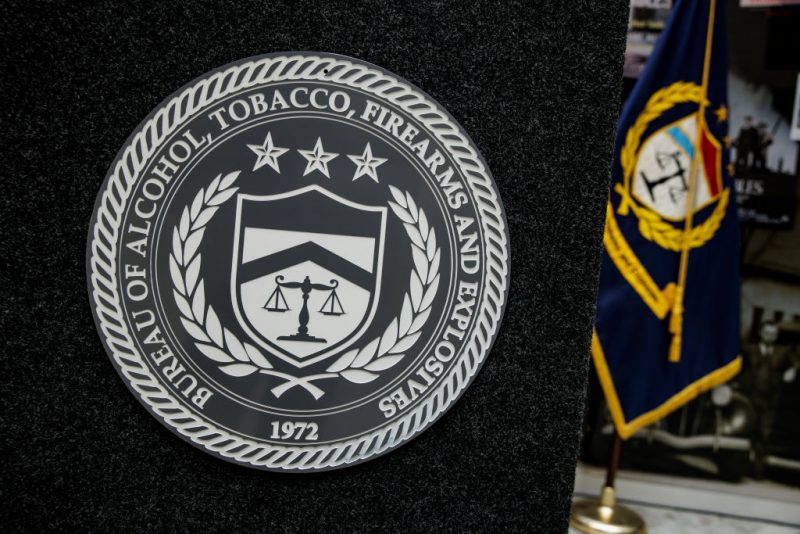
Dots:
(536, 86)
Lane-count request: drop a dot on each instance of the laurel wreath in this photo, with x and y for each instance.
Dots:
(238, 358)
(200, 320)
(362, 365)
(651, 225)
(656, 229)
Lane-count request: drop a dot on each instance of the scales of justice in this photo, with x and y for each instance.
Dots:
(662, 160)
(277, 303)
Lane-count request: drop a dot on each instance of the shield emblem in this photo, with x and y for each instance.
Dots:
(306, 271)
(661, 179)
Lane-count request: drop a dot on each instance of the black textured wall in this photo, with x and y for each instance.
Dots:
(537, 87)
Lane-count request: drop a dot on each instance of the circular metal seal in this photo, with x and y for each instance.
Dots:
(298, 262)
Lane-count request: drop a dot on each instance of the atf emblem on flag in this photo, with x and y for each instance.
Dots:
(661, 177)
(657, 172)
(306, 287)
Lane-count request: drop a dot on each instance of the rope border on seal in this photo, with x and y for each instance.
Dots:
(124, 175)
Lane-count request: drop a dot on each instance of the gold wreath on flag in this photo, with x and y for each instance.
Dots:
(651, 225)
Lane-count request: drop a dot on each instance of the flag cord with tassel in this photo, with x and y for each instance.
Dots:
(676, 317)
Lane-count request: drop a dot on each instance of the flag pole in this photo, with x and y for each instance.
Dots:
(613, 460)
(676, 317)
(605, 515)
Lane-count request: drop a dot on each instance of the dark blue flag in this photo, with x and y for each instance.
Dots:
(667, 325)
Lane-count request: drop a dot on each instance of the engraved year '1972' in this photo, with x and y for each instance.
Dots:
(295, 430)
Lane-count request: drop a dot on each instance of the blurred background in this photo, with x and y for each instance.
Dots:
(736, 449)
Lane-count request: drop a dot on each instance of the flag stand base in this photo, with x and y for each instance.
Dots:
(606, 516)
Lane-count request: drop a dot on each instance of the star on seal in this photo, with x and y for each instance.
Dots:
(317, 159)
(268, 154)
(366, 164)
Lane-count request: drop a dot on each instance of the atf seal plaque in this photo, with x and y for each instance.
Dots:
(298, 262)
